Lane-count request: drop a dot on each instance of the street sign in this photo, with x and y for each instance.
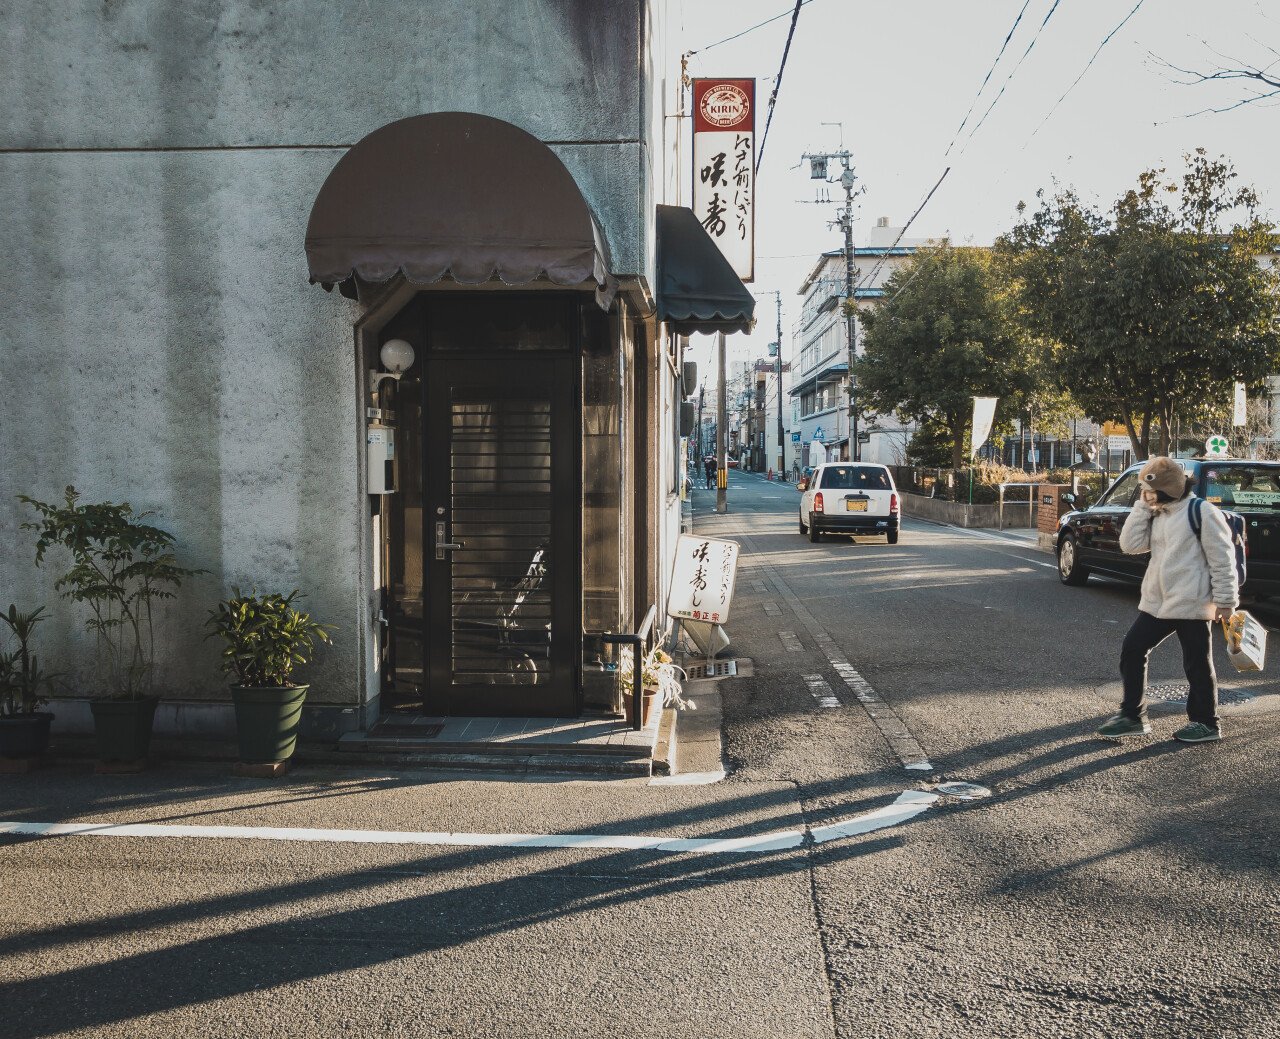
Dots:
(1241, 406)
(817, 434)
(1216, 446)
(795, 437)
(703, 578)
(724, 157)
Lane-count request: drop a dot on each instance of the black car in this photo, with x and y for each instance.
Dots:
(1089, 539)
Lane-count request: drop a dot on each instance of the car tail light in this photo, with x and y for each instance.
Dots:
(893, 503)
(817, 502)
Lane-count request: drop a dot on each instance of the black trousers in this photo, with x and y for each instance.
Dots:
(1197, 660)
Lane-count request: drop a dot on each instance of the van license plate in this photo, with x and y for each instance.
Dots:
(855, 505)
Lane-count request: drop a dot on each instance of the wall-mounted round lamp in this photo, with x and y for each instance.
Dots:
(397, 356)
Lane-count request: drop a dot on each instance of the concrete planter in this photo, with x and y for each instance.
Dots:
(958, 514)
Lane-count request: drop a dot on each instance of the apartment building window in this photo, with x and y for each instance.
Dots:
(807, 401)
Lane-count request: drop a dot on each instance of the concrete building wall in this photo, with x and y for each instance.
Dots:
(162, 345)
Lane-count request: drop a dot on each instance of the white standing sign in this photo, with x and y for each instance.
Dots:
(1239, 413)
(984, 415)
(724, 158)
(703, 578)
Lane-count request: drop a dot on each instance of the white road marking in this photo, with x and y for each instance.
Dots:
(908, 805)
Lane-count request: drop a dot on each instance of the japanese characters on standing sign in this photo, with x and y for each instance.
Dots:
(724, 158)
(703, 578)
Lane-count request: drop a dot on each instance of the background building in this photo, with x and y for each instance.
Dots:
(819, 394)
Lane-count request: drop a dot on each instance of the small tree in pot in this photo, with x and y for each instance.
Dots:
(24, 688)
(265, 637)
(120, 567)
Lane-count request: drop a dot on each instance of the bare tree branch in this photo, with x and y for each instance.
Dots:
(1256, 77)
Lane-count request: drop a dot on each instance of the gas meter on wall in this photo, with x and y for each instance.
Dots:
(382, 458)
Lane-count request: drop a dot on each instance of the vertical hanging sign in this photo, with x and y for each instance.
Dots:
(724, 158)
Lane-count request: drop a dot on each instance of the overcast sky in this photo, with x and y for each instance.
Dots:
(902, 75)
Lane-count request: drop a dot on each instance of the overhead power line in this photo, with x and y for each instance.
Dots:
(1105, 40)
(758, 25)
(865, 281)
(987, 79)
(777, 84)
(1009, 78)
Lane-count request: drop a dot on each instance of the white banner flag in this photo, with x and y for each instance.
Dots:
(984, 414)
(1238, 417)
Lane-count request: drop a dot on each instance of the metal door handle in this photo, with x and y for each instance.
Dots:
(441, 545)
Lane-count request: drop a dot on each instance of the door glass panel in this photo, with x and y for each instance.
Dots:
(501, 575)
(1122, 493)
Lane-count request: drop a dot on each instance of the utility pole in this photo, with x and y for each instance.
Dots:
(702, 439)
(782, 447)
(722, 434)
(818, 171)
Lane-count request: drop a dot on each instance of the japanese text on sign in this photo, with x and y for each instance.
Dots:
(724, 167)
(703, 578)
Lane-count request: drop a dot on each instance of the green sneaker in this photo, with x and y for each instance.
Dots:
(1198, 732)
(1120, 725)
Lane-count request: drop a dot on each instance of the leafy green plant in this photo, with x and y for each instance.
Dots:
(120, 567)
(23, 686)
(265, 636)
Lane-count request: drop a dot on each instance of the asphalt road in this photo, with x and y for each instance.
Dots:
(1103, 889)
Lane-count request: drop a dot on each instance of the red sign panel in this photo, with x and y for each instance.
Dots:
(724, 104)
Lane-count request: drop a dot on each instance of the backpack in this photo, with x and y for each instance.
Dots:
(1236, 524)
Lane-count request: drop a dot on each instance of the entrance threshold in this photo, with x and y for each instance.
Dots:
(593, 744)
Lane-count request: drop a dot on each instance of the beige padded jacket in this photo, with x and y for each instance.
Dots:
(1187, 576)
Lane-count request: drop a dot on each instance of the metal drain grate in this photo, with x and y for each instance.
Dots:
(1176, 692)
(712, 669)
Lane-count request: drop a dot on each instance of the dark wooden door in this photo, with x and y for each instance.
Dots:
(502, 624)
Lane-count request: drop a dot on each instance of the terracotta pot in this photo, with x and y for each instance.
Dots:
(650, 698)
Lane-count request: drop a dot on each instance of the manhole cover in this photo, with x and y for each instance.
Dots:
(1176, 692)
(962, 791)
(712, 669)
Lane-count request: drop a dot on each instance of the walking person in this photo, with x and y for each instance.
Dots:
(1190, 584)
(709, 464)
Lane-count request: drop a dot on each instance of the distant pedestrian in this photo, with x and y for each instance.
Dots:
(1190, 583)
(709, 464)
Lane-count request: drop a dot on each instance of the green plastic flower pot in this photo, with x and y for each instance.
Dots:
(122, 728)
(267, 719)
(25, 735)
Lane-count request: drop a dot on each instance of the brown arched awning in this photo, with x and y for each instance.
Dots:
(456, 195)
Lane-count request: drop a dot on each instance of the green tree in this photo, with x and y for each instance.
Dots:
(1159, 305)
(946, 333)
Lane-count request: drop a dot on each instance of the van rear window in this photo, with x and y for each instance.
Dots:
(1254, 486)
(855, 478)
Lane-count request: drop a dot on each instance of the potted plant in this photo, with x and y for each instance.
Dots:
(120, 567)
(660, 683)
(24, 730)
(264, 637)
